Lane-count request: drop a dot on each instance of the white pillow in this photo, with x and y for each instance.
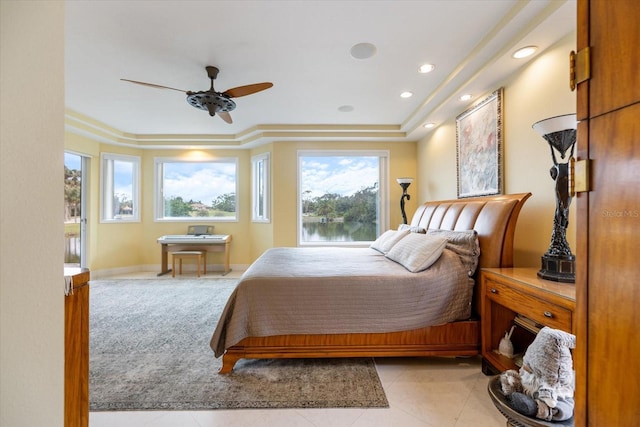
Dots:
(388, 239)
(412, 228)
(464, 243)
(417, 252)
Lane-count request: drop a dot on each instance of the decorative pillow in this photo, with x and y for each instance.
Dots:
(387, 240)
(417, 252)
(464, 243)
(412, 228)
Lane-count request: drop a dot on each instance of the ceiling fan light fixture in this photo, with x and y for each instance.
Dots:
(216, 103)
(210, 101)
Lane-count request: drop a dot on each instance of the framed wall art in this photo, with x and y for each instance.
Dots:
(479, 148)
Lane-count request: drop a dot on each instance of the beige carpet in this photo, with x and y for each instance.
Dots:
(149, 342)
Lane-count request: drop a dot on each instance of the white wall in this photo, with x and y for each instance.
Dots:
(31, 213)
(538, 91)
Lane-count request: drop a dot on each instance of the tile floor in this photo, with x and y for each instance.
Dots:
(424, 392)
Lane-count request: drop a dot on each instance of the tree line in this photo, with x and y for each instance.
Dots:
(358, 207)
(176, 206)
(72, 193)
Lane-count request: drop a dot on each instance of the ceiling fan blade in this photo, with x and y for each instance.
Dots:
(247, 90)
(153, 85)
(224, 115)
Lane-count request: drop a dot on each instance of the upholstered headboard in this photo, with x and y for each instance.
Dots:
(493, 217)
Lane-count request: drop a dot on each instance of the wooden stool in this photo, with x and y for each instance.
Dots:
(200, 256)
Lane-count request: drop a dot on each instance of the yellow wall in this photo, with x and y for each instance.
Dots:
(538, 91)
(108, 245)
(240, 230)
(114, 246)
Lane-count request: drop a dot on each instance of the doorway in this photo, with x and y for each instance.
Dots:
(75, 208)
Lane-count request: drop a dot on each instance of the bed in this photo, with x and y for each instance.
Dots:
(364, 302)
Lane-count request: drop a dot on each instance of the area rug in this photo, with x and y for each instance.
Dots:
(149, 350)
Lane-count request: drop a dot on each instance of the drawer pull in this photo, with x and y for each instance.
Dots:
(548, 314)
(493, 290)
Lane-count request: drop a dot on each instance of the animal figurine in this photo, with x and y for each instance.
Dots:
(506, 346)
(543, 387)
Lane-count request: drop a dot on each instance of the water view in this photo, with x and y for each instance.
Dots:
(338, 232)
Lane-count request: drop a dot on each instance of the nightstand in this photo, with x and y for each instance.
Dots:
(518, 296)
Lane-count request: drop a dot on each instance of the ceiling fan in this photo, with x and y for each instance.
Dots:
(219, 103)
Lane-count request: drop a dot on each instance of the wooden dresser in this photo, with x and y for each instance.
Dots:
(518, 294)
(76, 348)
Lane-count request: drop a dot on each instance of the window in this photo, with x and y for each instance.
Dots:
(196, 190)
(119, 188)
(260, 188)
(342, 197)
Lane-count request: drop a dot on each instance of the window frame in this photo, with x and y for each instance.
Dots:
(158, 180)
(261, 188)
(383, 191)
(107, 187)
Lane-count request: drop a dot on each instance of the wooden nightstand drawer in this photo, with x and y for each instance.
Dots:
(510, 293)
(541, 311)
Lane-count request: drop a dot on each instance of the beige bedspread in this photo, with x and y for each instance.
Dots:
(340, 290)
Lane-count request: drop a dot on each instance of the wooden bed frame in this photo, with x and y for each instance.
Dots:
(493, 217)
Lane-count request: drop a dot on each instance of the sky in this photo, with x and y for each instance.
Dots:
(199, 181)
(342, 175)
(72, 161)
(123, 179)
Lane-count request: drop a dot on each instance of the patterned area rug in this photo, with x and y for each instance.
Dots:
(149, 350)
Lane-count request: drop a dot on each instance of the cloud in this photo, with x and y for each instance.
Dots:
(201, 181)
(337, 174)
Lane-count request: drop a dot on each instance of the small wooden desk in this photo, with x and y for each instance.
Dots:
(209, 243)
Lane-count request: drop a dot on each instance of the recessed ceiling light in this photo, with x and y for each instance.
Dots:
(466, 97)
(345, 108)
(406, 95)
(426, 68)
(524, 52)
(363, 50)
(429, 125)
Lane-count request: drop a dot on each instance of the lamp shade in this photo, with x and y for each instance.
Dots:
(404, 180)
(556, 124)
(559, 131)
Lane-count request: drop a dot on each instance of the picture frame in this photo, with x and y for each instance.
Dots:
(479, 148)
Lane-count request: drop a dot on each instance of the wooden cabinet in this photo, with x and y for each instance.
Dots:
(76, 349)
(608, 216)
(510, 292)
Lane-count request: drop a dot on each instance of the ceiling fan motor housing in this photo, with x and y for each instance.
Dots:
(210, 101)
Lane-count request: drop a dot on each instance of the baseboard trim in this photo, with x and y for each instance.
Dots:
(187, 267)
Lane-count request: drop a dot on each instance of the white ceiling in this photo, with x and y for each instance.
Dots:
(303, 48)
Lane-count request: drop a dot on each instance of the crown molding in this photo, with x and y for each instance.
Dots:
(250, 138)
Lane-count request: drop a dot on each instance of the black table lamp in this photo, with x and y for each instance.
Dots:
(404, 183)
(558, 263)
